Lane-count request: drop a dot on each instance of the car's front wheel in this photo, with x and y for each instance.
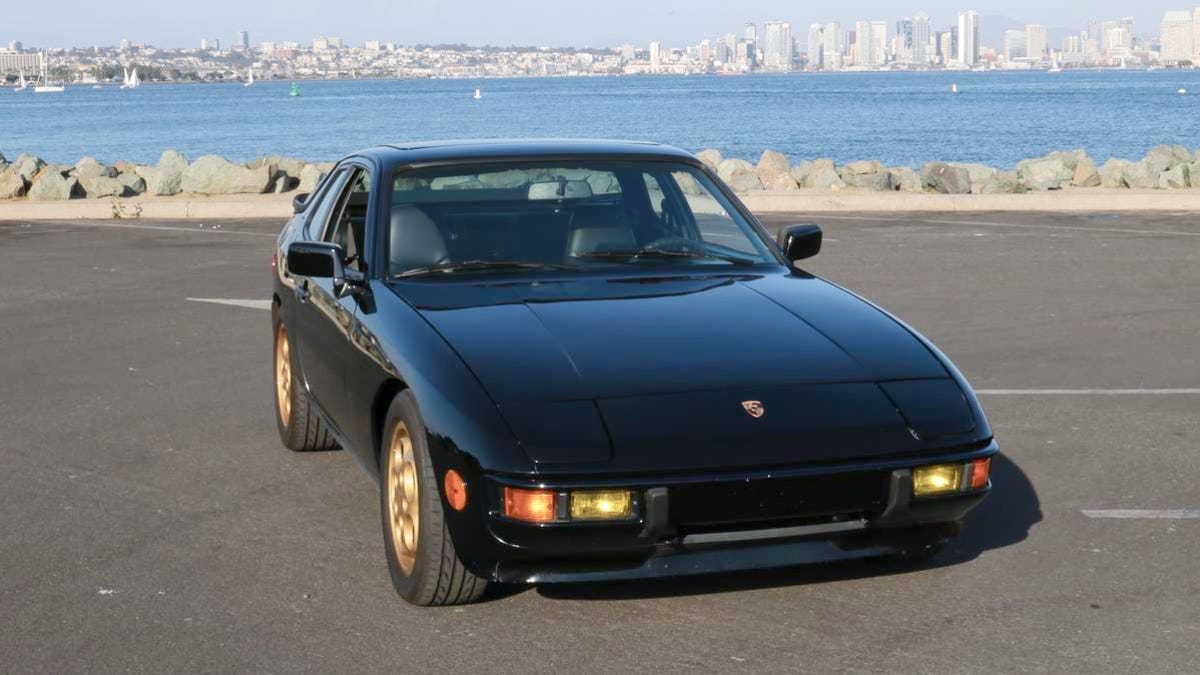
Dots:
(424, 566)
(300, 427)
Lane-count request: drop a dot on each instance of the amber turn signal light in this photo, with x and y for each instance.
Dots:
(456, 490)
(531, 506)
(981, 470)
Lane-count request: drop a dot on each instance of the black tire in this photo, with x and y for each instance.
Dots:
(301, 429)
(433, 574)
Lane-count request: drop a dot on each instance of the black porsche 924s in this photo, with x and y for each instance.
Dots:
(586, 360)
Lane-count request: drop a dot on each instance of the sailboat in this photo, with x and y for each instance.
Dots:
(45, 87)
(1055, 67)
(22, 85)
(132, 81)
(478, 94)
(250, 78)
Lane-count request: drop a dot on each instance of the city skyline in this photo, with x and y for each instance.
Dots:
(618, 22)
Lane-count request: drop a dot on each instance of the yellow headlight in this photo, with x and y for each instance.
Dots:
(601, 505)
(938, 479)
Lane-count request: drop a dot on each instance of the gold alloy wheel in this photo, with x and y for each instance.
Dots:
(403, 498)
(283, 376)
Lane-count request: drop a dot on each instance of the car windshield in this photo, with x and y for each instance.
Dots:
(564, 217)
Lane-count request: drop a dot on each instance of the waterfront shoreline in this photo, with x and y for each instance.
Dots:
(279, 206)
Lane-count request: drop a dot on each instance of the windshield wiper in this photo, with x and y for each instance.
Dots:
(652, 252)
(479, 265)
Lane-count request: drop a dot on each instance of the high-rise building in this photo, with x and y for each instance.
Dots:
(968, 38)
(628, 53)
(320, 44)
(945, 47)
(831, 51)
(751, 33)
(920, 39)
(1035, 41)
(777, 47)
(1177, 37)
(211, 44)
(1072, 45)
(903, 44)
(373, 46)
(1015, 44)
(705, 51)
(243, 40)
(655, 55)
(124, 46)
(816, 46)
(879, 42)
(863, 53)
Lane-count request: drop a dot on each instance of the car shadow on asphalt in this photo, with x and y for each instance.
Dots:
(1002, 520)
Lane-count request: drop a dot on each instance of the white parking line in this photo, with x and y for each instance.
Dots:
(1087, 392)
(1129, 514)
(984, 223)
(199, 228)
(233, 302)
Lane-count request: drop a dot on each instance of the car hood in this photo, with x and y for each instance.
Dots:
(615, 367)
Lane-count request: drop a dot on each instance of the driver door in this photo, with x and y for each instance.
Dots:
(324, 318)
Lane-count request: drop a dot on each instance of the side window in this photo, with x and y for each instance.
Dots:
(327, 199)
(347, 227)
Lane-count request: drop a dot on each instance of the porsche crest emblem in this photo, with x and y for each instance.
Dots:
(754, 409)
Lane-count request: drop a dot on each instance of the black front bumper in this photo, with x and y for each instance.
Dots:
(655, 546)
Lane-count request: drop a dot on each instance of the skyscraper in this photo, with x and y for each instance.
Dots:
(864, 51)
(920, 39)
(243, 40)
(777, 48)
(968, 38)
(1178, 37)
(904, 40)
(816, 47)
(879, 42)
(1035, 41)
(831, 50)
(655, 55)
(751, 33)
(1015, 44)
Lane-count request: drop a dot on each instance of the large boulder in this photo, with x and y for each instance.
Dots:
(1086, 175)
(774, 170)
(876, 182)
(783, 181)
(905, 179)
(800, 172)
(3, 162)
(50, 185)
(1140, 175)
(310, 178)
(12, 183)
(1166, 157)
(1112, 174)
(946, 179)
(215, 175)
(28, 166)
(824, 176)
(134, 184)
(165, 178)
(710, 157)
(90, 167)
(739, 175)
(1174, 178)
(980, 174)
(1194, 175)
(95, 187)
(861, 168)
(1002, 183)
(1046, 173)
(1071, 158)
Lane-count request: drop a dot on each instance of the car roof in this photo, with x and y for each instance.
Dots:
(500, 149)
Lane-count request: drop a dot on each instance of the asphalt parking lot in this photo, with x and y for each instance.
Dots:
(152, 521)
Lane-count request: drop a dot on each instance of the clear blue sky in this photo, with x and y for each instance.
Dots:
(539, 22)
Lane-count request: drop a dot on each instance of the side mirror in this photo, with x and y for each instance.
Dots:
(317, 259)
(299, 202)
(800, 241)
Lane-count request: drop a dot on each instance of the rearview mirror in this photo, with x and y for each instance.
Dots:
(299, 202)
(559, 189)
(800, 241)
(317, 259)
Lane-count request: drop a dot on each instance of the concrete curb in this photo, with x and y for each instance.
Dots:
(762, 201)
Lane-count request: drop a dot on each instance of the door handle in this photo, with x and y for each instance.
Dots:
(302, 292)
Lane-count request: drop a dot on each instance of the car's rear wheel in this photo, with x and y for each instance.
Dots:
(424, 566)
(300, 427)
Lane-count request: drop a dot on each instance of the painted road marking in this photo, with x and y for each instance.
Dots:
(201, 228)
(1086, 392)
(1129, 514)
(984, 223)
(233, 302)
